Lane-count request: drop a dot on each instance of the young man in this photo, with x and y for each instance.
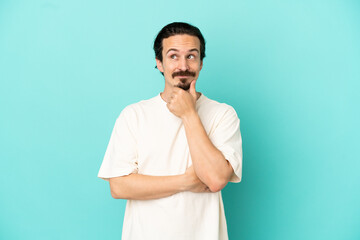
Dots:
(171, 155)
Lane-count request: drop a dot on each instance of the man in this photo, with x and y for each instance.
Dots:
(171, 155)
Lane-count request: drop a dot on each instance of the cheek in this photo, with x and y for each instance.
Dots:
(169, 68)
(195, 67)
(168, 71)
(195, 64)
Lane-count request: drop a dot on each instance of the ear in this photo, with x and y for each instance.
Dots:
(201, 64)
(159, 65)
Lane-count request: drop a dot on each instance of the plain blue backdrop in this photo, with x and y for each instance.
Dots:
(291, 70)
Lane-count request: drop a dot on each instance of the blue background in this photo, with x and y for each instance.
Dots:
(291, 69)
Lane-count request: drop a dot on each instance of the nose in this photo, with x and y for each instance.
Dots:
(183, 64)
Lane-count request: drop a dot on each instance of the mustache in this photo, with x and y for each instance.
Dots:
(183, 73)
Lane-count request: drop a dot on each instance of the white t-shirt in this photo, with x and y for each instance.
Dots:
(148, 139)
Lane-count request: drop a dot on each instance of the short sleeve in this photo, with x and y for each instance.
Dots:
(227, 138)
(121, 154)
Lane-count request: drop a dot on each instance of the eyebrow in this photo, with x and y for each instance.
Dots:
(174, 49)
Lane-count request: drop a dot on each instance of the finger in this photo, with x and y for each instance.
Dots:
(192, 89)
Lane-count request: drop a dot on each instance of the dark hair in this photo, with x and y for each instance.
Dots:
(177, 28)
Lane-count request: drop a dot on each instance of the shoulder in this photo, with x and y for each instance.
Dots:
(130, 116)
(133, 110)
(216, 107)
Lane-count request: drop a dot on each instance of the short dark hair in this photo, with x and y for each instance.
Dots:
(177, 28)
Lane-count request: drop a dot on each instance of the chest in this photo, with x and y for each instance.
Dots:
(162, 145)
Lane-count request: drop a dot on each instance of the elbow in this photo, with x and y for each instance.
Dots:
(115, 191)
(215, 188)
(115, 195)
(219, 180)
(217, 185)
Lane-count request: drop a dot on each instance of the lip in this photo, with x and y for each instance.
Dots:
(183, 76)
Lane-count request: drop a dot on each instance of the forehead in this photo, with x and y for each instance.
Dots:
(183, 42)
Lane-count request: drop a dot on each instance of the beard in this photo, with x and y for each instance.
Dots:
(183, 84)
(183, 81)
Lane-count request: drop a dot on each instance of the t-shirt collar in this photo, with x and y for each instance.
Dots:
(197, 101)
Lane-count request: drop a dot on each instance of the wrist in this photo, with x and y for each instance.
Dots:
(184, 183)
(190, 116)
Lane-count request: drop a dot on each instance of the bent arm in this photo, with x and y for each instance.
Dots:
(209, 163)
(145, 187)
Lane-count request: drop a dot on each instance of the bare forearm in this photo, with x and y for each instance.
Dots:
(144, 187)
(209, 163)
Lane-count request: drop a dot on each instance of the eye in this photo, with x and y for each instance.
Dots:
(191, 56)
(173, 56)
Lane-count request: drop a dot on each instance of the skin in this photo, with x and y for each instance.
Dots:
(210, 171)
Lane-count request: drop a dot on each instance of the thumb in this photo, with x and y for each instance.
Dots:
(192, 89)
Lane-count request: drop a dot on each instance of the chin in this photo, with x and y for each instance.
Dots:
(183, 86)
